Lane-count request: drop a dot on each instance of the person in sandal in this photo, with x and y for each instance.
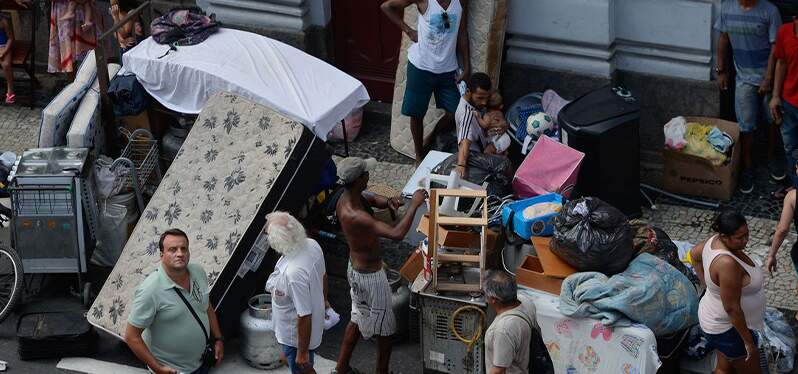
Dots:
(6, 55)
(783, 228)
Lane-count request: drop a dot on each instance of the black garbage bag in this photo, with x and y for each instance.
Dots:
(592, 235)
(494, 169)
(654, 240)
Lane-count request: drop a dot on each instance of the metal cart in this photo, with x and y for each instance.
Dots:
(140, 158)
(54, 212)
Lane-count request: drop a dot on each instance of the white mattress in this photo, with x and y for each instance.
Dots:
(86, 130)
(57, 115)
(263, 70)
(240, 161)
(486, 24)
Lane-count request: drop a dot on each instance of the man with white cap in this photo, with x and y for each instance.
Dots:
(372, 314)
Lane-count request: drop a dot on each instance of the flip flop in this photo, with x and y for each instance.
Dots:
(10, 98)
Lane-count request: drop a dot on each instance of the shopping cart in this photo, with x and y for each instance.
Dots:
(139, 159)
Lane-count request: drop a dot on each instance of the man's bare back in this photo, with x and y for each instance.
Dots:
(362, 230)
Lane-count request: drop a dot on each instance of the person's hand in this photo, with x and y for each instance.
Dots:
(723, 81)
(771, 265)
(765, 87)
(164, 370)
(418, 197)
(464, 75)
(219, 347)
(302, 361)
(460, 170)
(775, 109)
(412, 34)
(129, 41)
(114, 12)
(395, 202)
(750, 351)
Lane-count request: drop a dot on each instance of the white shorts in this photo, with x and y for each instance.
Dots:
(372, 309)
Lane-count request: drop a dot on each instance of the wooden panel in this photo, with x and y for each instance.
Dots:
(464, 221)
(458, 287)
(459, 258)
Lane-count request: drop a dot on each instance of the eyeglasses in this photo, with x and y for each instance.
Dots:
(445, 17)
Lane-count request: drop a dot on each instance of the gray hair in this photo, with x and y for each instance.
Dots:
(501, 286)
(286, 234)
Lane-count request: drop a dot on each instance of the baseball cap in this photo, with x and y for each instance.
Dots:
(352, 168)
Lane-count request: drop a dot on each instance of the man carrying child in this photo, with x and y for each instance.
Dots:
(478, 160)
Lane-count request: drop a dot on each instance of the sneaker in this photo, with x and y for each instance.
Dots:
(776, 170)
(746, 183)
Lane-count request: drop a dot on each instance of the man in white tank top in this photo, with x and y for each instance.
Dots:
(440, 42)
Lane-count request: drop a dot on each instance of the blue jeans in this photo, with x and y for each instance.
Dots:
(290, 356)
(789, 136)
(750, 107)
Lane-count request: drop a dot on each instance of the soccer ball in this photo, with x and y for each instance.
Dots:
(538, 124)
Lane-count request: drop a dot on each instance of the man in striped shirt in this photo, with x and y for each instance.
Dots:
(471, 137)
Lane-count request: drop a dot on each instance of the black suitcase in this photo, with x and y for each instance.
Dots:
(55, 335)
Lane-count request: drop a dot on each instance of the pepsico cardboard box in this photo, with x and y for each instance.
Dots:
(695, 176)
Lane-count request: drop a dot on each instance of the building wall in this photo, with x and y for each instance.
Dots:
(660, 49)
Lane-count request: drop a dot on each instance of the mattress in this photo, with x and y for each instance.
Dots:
(240, 162)
(264, 70)
(86, 130)
(57, 115)
(486, 24)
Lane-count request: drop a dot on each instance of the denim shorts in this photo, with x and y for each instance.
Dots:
(730, 343)
(750, 107)
(420, 86)
(789, 136)
(290, 356)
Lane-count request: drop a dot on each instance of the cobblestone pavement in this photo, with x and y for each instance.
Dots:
(19, 128)
(692, 225)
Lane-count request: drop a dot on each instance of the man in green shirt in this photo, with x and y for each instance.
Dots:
(161, 331)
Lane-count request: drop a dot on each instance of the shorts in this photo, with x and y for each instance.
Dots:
(372, 307)
(420, 86)
(290, 356)
(730, 343)
(750, 107)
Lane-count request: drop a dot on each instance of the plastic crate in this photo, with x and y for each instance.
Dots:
(527, 228)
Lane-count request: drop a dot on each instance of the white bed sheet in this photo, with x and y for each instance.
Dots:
(263, 70)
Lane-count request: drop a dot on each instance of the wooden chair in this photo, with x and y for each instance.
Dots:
(24, 54)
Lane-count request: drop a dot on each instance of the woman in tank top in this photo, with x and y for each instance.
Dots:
(783, 229)
(733, 307)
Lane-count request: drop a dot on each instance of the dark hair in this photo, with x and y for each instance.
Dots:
(175, 232)
(128, 5)
(479, 80)
(795, 157)
(728, 222)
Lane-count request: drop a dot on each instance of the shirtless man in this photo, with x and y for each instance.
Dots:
(371, 295)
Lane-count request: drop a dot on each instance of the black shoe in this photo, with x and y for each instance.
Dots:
(746, 183)
(776, 170)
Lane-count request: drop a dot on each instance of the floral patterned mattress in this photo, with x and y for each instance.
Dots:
(240, 161)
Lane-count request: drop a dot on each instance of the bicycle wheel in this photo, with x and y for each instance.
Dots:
(10, 280)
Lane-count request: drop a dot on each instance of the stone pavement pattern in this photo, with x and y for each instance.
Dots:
(19, 128)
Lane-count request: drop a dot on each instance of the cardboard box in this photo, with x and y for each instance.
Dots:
(413, 266)
(553, 265)
(458, 238)
(530, 274)
(139, 121)
(692, 175)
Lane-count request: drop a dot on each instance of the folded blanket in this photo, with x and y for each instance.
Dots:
(650, 291)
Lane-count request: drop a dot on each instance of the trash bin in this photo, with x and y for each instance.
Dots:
(604, 125)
